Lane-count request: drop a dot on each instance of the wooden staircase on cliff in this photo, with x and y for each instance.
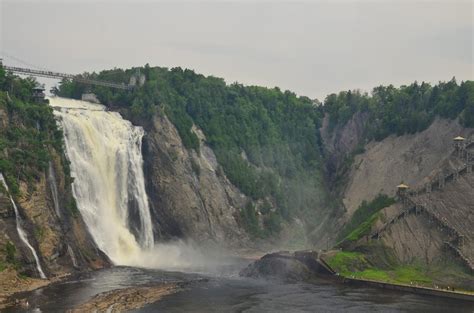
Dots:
(410, 206)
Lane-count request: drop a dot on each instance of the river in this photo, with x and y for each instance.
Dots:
(222, 290)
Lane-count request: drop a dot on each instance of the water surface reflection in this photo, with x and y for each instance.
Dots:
(224, 291)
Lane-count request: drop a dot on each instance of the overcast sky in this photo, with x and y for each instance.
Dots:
(312, 48)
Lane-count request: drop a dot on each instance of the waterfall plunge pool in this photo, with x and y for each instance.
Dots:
(222, 290)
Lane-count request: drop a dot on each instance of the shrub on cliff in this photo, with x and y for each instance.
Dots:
(364, 217)
(31, 132)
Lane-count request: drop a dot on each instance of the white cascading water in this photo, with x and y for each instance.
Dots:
(107, 167)
(21, 231)
(73, 256)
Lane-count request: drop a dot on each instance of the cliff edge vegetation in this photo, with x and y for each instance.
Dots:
(36, 171)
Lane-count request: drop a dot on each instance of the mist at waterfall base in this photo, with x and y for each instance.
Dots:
(189, 256)
(106, 163)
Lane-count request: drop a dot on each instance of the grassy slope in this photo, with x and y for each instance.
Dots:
(364, 218)
(356, 265)
(359, 265)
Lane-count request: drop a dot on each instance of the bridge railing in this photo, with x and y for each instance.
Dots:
(80, 79)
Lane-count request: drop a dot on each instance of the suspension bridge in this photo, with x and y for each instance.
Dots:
(58, 75)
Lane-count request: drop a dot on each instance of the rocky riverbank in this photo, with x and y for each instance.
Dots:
(127, 299)
(11, 283)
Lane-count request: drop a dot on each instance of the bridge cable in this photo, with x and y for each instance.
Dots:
(22, 61)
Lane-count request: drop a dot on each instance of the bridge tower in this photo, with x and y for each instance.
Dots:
(38, 94)
(137, 79)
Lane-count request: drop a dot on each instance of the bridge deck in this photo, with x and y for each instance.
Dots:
(50, 74)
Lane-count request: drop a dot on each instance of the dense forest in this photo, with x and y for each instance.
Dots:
(267, 140)
(28, 131)
(403, 110)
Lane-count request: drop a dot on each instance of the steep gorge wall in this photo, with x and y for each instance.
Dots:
(339, 142)
(455, 204)
(414, 237)
(192, 198)
(418, 235)
(408, 158)
(423, 235)
(190, 195)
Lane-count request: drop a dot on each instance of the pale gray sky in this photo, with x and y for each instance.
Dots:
(312, 48)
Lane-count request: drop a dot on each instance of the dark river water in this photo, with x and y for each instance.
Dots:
(222, 290)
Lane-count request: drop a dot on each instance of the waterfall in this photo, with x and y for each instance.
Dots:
(54, 188)
(109, 187)
(21, 231)
(73, 256)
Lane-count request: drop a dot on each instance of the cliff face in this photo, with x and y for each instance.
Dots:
(445, 215)
(408, 159)
(192, 198)
(339, 144)
(434, 227)
(190, 195)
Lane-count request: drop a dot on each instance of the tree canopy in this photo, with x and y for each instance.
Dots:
(408, 109)
(30, 134)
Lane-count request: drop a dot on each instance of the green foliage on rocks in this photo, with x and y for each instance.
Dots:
(10, 251)
(249, 219)
(270, 225)
(363, 229)
(71, 206)
(364, 217)
(467, 97)
(39, 233)
(30, 135)
(346, 263)
(8, 256)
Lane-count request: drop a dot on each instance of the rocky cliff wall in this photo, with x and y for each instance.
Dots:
(415, 235)
(409, 159)
(339, 143)
(63, 243)
(430, 226)
(424, 235)
(190, 195)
